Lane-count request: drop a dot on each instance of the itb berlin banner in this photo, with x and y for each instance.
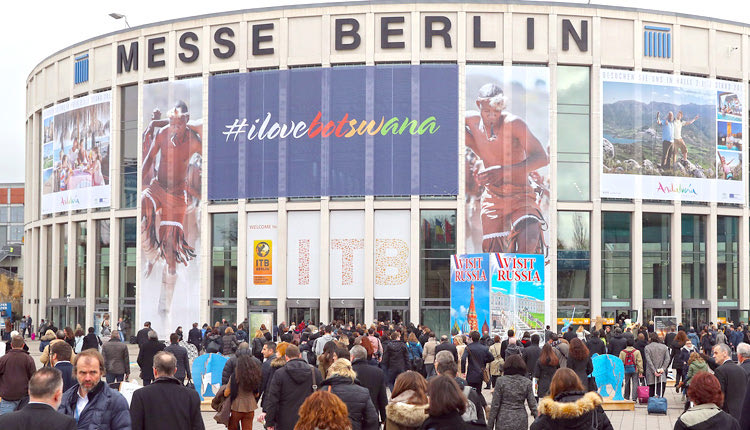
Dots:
(347, 254)
(671, 137)
(172, 145)
(392, 245)
(387, 130)
(263, 260)
(75, 154)
(470, 293)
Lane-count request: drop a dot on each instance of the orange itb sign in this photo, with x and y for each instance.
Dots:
(262, 262)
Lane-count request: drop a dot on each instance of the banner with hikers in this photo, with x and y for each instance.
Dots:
(671, 137)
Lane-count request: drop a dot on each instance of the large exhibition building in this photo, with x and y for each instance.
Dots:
(327, 161)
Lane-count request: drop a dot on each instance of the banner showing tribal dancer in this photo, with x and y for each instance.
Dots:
(75, 154)
(170, 204)
(506, 159)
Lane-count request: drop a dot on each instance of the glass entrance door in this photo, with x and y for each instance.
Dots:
(348, 315)
(650, 313)
(695, 317)
(397, 315)
(307, 314)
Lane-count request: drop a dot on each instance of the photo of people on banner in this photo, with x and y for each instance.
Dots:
(170, 203)
(506, 160)
(671, 137)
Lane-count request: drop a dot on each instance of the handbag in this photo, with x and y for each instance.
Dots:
(485, 372)
(189, 384)
(223, 405)
(657, 404)
(642, 391)
(592, 384)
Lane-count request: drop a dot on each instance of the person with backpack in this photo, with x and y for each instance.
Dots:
(513, 391)
(213, 344)
(633, 362)
(415, 353)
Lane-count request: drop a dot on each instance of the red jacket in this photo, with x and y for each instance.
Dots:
(16, 368)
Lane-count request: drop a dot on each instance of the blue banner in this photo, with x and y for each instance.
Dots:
(470, 293)
(388, 130)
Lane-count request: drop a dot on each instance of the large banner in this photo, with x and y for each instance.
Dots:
(517, 293)
(671, 137)
(470, 293)
(347, 254)
(75, 154)
(303, 255)
(263, 260)
(170, 204)
(383, 130)
(507, 164)
(392, 249)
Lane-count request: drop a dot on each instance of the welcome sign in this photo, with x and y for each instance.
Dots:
(342, 131)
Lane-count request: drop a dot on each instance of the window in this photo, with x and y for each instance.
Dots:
(16, 234)
(616, 255)
(102, 262)
(16, 214)
(81, 239)
(573, 255)
(573, 140)
(48, 259)
(224, 267)
(4, 211)
(63, 263)
(728, 267)
(437, 242)
(656, 260)
(693, 257)
(128, 275)
(129, 146)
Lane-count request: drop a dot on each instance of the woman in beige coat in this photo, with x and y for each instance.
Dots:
(496, 366)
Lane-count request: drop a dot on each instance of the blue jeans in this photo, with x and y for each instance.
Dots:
(115, 377)
(8, 406)
(122, 336)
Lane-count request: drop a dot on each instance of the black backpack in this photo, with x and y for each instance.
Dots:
(213, 346)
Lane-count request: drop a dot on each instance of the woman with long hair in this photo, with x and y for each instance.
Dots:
(458, 340)
(75, 340)
(545, 369)
(569, 406)
(407, 408)
(447, 404)
(323, 410)
(326, 358)
(513, 391)
(257, 345)
(706, 395)
(695, 365)
(496, 366)
(341, 381)
(243, 391)
(367, 345)
(229, 342)
(414, 348)
(580, 361)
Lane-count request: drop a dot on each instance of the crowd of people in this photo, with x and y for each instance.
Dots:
(354, 377)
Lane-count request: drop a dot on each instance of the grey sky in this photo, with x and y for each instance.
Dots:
(28, 35)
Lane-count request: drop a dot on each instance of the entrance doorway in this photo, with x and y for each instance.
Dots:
(307, 310)
(650, 313)
(615, 315)
(67, 312)
(396, 311)
(694, 317)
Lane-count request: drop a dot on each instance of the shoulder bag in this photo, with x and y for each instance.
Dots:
(485, 372)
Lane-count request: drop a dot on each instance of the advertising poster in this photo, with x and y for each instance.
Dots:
(258, 319)
(507, 124)
(75, 154)
(303, 255)
(263, 262)
(347, 254)
(392, 245)
(470, 293)
(664, 325)
(671, 137)
(386, 130)
(517, 293)
(170, 205)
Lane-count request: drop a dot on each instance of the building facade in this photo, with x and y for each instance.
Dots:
(323, 232)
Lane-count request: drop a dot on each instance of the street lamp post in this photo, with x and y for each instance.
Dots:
(116, 15)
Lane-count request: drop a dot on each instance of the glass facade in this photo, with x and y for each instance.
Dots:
(616, 255)
(437, 242)
(48, 254)
(63, 263)
(128, 275)
(656, 259)
(728, 269)
(573, 133)
(102, 263)
(224, 267)
(573, 255)
(81, 239)
(693, 257)
(129, 146)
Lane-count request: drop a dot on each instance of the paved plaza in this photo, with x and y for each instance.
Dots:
(625, 420)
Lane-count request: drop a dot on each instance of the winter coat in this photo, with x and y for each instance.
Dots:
(362, 413)
(16, 368)
(45, 354)
(91, 341)
(616, 344)
(77, 344)
(415, 350)
(146, 357)
(396, 356)
(596, 346)
(544, 373)
(695, 367)
(447, 346)
(572, 410)
(321, 343)
(682, 357)
(166, 404)
(657, 357)
(733, 384)
(401, 415)
(265, 369)
(508, 410)
(562, 350)
(195, 337)
(107, 409)
(428, 351)
(271, 366)
(693, 336)
(257, 346)
(116, 357)
(229, 344)
(449, 421)
(288, 389)
(636, 356)
(183, 364)
(475, 358)
(496, 367)
(373, 378)
(583, 369)
(530, 356)
(707, 416)
(210, 338)
(707, 343)
(640, 345)
(45, 340)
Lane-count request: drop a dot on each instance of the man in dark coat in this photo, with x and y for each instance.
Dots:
(732, 378)
(231, 364)
(269, 354)
(617, 343)
(146, 357)
(91, 340)
(45, 393)
(195, 337)
(288, 389)
(473, 361)
(16, 368)
(142, 337)
(595, 344)
(165, 404)
(59, 354)
(570, 334)
(181, 355)
(371, 377)
(395, 358)
(445, 345)
(743, 356)
(531, 354)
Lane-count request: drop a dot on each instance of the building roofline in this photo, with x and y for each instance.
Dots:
(388, 2)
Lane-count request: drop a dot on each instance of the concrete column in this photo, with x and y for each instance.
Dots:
(414, 287)
(369, 259)
(92, 238)
(325, 259)
(114, 268)
(675, 260)
(281, 295)
(711, 262)
(636, 235)
(242, 252)
(55, 230)
(39, 310)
